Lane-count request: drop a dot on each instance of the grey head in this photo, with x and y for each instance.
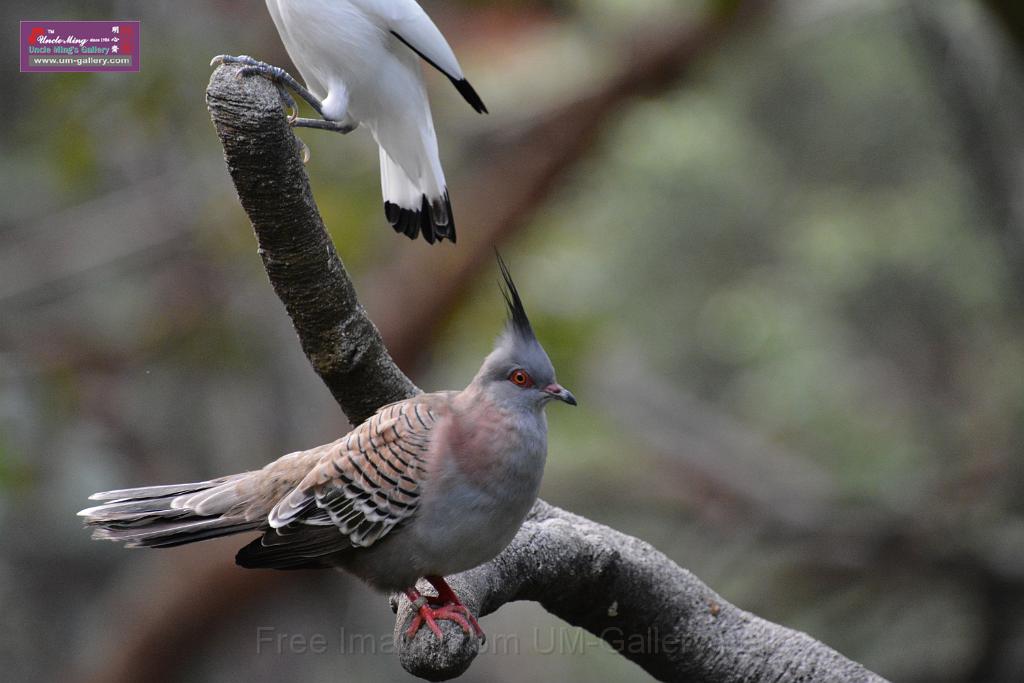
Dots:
(518, 371)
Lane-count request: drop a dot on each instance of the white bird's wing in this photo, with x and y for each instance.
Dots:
(407, 22)
(292, 45)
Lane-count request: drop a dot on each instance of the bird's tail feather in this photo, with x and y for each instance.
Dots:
(166, 516)
(411, 210)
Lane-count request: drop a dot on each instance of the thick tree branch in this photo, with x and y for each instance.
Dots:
(262, 155)
(640, 602)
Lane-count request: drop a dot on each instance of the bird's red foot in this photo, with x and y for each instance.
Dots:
(445, 605)
(430, 615)
(446, 596)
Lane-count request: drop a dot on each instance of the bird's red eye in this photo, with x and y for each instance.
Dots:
(520, 379)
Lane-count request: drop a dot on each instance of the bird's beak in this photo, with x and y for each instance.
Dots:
(561, 393)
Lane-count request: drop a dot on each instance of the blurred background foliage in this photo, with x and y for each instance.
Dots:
(787, 292)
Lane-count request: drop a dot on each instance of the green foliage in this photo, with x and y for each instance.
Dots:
(15, 475)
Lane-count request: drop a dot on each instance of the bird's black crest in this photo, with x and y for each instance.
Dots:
(516, 313)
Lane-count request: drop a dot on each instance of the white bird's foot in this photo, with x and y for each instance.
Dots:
(281, 79)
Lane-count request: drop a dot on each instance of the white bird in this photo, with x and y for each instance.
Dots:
(360, 61)
(426, 487)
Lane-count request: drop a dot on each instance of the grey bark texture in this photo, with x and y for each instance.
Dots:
(623, 590)
(262, 155)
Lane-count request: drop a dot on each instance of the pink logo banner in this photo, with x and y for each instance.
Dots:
(79, 46)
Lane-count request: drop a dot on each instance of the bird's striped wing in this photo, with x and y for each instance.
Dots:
(407, 22)
(361, 489)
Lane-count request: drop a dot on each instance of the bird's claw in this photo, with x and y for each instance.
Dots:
(445, 605)
(289, 101)
(430, 614)
(465, 623)
(284, 81)
(281, 79)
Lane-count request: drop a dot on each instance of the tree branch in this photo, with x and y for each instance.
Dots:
(618, 587)
(641, 603)
(262, 154)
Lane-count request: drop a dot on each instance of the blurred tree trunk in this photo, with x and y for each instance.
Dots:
(1010, 14)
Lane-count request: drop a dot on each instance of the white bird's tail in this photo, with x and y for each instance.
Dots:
(411, 210)
(166, 516)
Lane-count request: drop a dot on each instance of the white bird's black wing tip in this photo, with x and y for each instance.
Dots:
(433, 219)
(461, 84)
(470, 95)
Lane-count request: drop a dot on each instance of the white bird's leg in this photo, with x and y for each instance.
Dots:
(281, 78)
(276, 75)
(333, 111)
(324, 124)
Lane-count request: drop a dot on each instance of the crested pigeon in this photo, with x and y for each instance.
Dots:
(427, 487)
(361, 63)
